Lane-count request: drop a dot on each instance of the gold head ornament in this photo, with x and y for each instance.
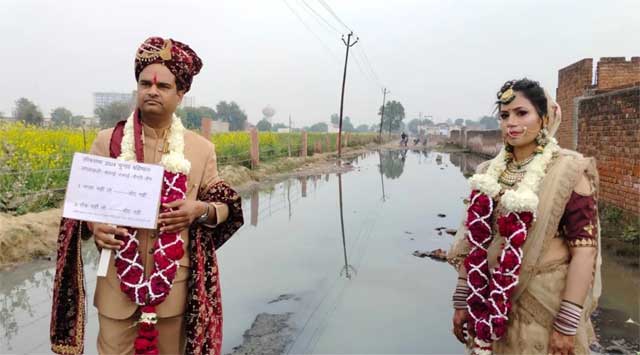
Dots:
(148, 53)
(507, 96)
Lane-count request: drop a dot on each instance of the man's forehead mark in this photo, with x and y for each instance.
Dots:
(155, 78)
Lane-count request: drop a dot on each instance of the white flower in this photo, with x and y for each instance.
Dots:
(525, 197)
(149, 318)
(486, 184)
(519, 200)
(174, 161)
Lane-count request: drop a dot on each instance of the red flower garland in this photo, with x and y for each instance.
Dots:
(490, 299)
(168, 250)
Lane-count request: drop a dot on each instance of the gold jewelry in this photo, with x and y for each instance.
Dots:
(514, 172)
(505, 97)
(542, 137)
(149, 53)
(165, 142)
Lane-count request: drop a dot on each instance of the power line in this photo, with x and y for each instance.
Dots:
(317, 15)
(368, 63)
(370, 74)
(364, 59)
(328, 8)
(333, 55)
(362, 71)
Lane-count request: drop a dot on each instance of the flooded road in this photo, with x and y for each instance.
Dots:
(361, 291)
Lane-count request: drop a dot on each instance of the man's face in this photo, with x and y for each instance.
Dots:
(158, 94)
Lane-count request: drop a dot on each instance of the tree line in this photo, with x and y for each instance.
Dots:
(28, 112)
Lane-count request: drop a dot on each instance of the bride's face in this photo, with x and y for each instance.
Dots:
(519, 121)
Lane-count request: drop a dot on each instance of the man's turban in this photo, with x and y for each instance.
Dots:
(178, 57)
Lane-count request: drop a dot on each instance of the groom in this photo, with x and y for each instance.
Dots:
(188, 318)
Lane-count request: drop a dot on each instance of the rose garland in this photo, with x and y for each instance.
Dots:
(168, 247)
(489, 301)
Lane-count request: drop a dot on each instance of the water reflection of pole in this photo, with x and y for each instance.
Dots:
(344, 243)
(384, 199)
(289, 196)
(255, 200)
(303, 182)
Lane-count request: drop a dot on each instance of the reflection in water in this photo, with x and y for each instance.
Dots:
(19, 301)
(422, 155)
(392, 163)
(255, 205)
(25, 302)
(288, 193)
(466, 162)
(289, 197)
(303, 183)
(347, 268)
(384, 197)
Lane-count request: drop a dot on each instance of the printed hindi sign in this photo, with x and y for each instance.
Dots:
(112, 191)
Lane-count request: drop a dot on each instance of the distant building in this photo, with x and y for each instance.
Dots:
(188, 101)
(219, 126)
(8, 119)
(283, 130)
(209, 126)
(90, 121)
(442, 129)
(103, 99)
(333, 128)
(430, 130)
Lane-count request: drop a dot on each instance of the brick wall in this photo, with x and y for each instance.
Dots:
(609, 130)
(487, 143)
(573, 81)
(435, 139)
(601, 120)
(617, 71)
(455, 137)
(577, 80)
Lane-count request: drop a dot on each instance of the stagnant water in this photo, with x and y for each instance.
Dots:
(361, 293)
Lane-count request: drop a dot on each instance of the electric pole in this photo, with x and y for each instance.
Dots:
(348, 44)
(384, 99)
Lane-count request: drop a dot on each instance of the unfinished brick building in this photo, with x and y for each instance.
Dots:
(601, 118)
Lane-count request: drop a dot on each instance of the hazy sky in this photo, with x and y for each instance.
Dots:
(443, 58)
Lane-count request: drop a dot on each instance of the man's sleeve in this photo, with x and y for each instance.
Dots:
(209, 179)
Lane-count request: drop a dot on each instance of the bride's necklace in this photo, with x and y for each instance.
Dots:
(514, 172)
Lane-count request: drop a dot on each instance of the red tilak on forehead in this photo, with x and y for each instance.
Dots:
(155, 78)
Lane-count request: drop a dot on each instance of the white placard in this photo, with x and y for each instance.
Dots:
(112, 191)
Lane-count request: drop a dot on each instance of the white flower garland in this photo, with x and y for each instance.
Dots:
(174, 161)
(525, 197)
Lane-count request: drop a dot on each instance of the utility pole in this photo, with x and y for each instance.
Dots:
(384, 99)
(344, 79)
